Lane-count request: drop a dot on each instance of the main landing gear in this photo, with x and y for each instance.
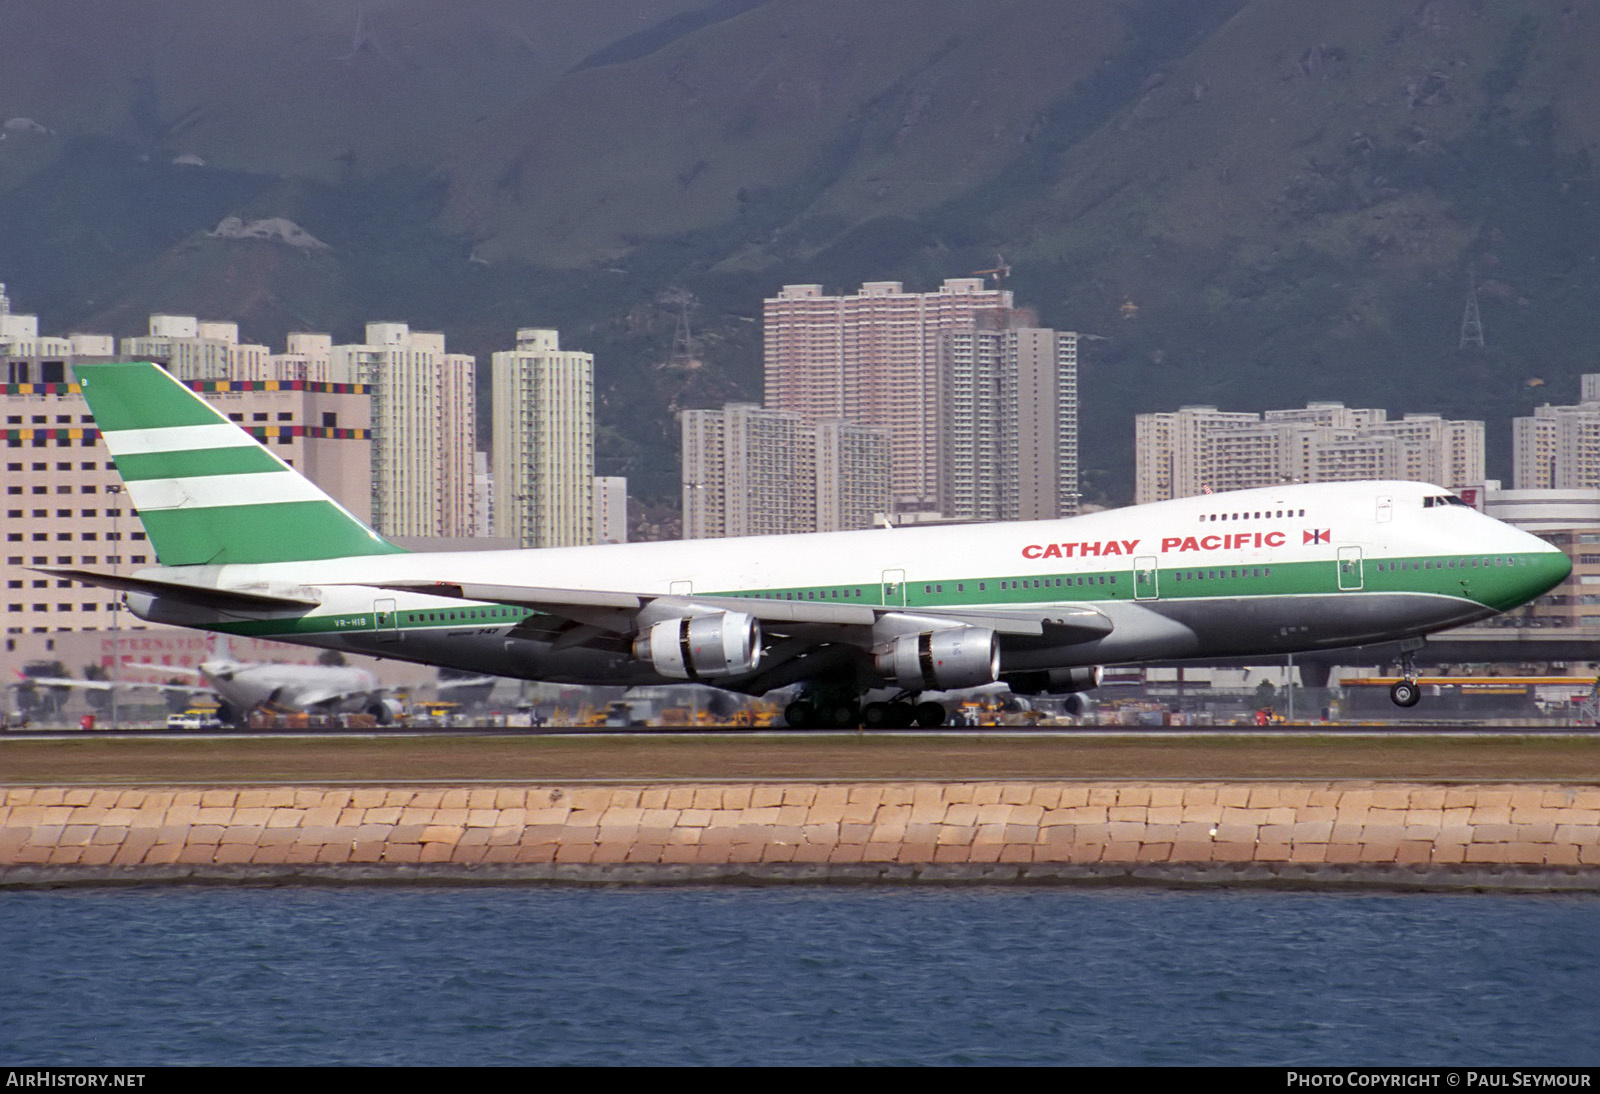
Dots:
(1406, 692)
(824, 712)
(902, 714)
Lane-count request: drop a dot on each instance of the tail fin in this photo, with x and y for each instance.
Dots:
(205, 490)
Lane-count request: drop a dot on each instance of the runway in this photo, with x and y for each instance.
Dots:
(510, 757)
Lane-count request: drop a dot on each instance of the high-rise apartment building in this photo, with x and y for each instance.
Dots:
(744, 473)
(543, 442)
(1008, 423)
(1559, 446)
(1172, 459)
(610, 509)
(423, 415)
(850, 480)
(306, 356)
(423, 429)
(702, 459)
(750, 471)
(197, 349)
(873, 358)
(1199, 448)
(32, 359)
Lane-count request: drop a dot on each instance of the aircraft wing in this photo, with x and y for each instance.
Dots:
(317, 696)
(805, 639)
(466, 682)
(97, 685)
(168, 670)
(623, 612)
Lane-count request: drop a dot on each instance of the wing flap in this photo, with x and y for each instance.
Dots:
(587, 605)
(622, 612)
(528, 596)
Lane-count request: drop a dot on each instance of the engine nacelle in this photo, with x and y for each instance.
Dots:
(942, 660)
(385, 711)
(702, 647)
(1055, 681)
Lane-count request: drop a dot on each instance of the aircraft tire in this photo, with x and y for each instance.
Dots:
(1405, 693)
(844, 715)
(931, 715)
(875, 715)
(800, 714)
(902, 715)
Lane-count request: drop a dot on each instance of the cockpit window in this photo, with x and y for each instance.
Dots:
(1443, 499)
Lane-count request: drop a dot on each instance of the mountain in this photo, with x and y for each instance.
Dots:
(1248, 203)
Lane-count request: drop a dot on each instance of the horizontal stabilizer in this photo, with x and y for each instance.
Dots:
(227, 600)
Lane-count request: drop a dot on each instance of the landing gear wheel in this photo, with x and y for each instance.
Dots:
(875, 715)
(930, 715)
(902, 715)
(841, 715)
(1405, 693)
(800, 714)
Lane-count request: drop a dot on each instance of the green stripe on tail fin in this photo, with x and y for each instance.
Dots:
(206, 491)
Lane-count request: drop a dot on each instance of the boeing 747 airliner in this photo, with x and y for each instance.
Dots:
(248, 546)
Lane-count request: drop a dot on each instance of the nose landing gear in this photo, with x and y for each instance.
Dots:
(1405, 692)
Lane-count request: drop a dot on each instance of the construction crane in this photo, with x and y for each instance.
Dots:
(999, 272)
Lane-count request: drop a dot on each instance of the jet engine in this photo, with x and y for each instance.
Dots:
(702, 647)
(1055, 681)
(385, 711)
(942, 660)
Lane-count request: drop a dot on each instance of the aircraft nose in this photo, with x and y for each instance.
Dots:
(1533, 567)
(1547, 566)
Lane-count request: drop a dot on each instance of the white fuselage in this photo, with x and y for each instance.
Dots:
(1271, 570)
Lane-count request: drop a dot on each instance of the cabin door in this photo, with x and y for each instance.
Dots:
(1349, 569)
(894, 588)
(1146, 584)
(386, 620)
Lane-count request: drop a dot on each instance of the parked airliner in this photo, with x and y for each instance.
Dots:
(243, 687)
(248, 546)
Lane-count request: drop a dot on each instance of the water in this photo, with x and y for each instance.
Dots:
(784, 976)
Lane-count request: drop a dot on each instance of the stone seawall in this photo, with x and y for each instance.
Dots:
(1535, 835)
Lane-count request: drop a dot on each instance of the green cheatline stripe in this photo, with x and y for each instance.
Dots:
(243, 460)
(352, 622)
(139, 395)
(1499, 587)
(290, 531)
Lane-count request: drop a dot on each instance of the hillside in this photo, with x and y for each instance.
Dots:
(1291, 196)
